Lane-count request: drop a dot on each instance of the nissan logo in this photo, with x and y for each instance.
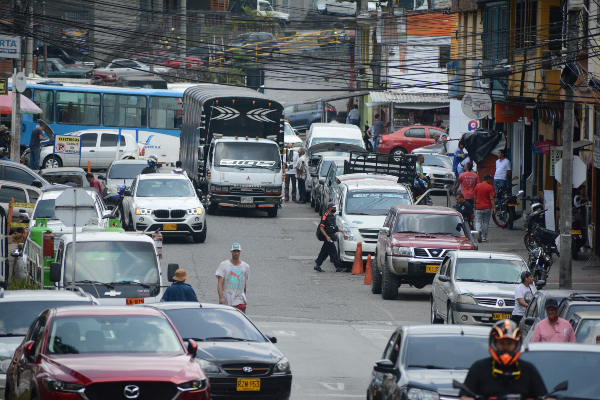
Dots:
(500, 303)
(131, 392)
(247, 369)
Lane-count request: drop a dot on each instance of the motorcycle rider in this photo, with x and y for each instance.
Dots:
(152, 163)
(503, 373)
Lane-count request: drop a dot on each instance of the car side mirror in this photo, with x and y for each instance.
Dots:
(384, 366)
(271, 338)
(102, 177)
(384, 230)
(36, 184)
(540, 284)
(476, 236)
(24, 217)
(199, 192)
(172, 267)
(29, 349)
(529, 321)
(444, 278)
(55, 272)
(127, 192)
(192, 347)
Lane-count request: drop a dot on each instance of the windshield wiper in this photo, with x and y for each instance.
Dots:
(439, 233)
(427, 367)
(357, 213)
(476, 280)
(144, 285)
(197, 339)
(108, 285)
(419, 233)
(228, 338)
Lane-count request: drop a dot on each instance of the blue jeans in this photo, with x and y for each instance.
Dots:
(354, 122)
(375, 138)
(34, 157)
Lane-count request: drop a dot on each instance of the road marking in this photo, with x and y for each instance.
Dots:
(330, 386)
(284, 333)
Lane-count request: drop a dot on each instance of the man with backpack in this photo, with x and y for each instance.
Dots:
(327, 233)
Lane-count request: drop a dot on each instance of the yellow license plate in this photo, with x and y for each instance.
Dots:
(576, 232)
(131, 302)
(498, 315)
(432, 269)
(169, 227)
(248, 385)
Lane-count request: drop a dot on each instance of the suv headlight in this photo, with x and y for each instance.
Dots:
(402, 251)
(59, 386)
(196, 384)
(282, 366)
(4, 364)
(348, 235)
(465, 299)
(195, 211)
(142, 211)
(450, 175)
(208, 366)
(421, 394)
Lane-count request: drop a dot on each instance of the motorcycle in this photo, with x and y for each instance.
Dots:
(113, 202)
(420, 187)
(564, 385)
(578, 231)
(537, 217)
(541, 256)
(506, 211)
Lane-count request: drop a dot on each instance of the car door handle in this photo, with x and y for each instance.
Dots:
(121, 151)
(92, 151)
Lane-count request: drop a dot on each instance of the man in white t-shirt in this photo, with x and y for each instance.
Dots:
(232, 276)
(523, 294)
(503, 173)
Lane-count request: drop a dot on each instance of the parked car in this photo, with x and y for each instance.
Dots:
(173, 61)
(586, 325)
(344, 7)
(325, 186)
(535, 311)
(439, 168)
(208, 53)
(407, 139)
(166, 203)
(98, 147)
(254, 42)
(68, 56)
(58, 69)
(121, 172)
(301, 116)
(290, 135)
(421, 361)
(19, 308)
(412, 243)
(472, 287)
(63, 174)
(20, 193)
(14, 172)
(105, 353)
(577, 302)
(145, 81)
(131, 67)
(105, 77)
(235, 355)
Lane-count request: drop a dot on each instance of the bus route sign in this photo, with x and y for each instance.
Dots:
(67, 144)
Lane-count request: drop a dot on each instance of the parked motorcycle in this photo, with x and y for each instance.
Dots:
(535, 218)
(509, 208)
(541, 256)
(578, 231)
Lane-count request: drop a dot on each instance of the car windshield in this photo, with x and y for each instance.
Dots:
(374, 203)
(588, 331)
(288, 130)
(242, 155)
(112, 334)
(17, 317)
(113, 262)
(432, 160)
(204, 323)
(426, 224)
(575, 367)
(356, 142)
(325, 168)
(444, 352)
(125, 171)
(485, 269)
(164, 188)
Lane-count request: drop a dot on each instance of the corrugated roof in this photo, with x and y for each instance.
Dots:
(407, 98)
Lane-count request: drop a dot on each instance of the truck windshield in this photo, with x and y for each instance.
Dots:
(265, 6)
(247, 155)
(112, 262)
(125, 171)
(374, 203)
(425, 224)
(164, 188)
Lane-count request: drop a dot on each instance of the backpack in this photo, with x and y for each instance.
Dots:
(320, 236)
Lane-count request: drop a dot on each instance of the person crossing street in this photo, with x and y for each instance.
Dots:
(328, 233)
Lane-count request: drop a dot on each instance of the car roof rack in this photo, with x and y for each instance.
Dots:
(585, 296)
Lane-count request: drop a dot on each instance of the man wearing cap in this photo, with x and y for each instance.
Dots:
(328, 228)
(179, 290)
(523, 294)
(232, 276)
(553, 328)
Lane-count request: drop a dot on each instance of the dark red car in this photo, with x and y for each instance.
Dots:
(406, 139)
(99, 353)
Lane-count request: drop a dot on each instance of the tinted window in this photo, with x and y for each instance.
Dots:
(89, 139)
(488, 270)
(9, 193)
(44, 209)
(430, 224)
(415, 132)
(124, 64)
(78, 108)
(451, 352)
(125, 171)
(33, 196)
(110, 140)
(18, 175)
(374, 203)
(165, 112)
(18, 317)
(125, 110)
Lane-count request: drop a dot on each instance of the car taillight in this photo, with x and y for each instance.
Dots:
(382, 139)
(329, 109)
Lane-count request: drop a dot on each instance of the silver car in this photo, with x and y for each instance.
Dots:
(472, 287)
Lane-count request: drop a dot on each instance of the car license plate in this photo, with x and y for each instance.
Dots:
(169, 227)
(498, 315)
(248, 385)
(432, 269)
(247, 200)
(576, 232)
(131, 302)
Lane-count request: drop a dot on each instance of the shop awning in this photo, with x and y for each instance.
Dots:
(414, 101)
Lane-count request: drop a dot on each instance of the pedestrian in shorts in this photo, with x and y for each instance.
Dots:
(232, 276)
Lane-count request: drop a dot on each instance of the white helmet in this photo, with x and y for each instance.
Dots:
(152, 160)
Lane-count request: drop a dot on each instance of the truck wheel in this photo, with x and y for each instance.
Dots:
(212, 208)
(390, 284)
(375, 277)
(272, 212)
(48, 162)
(201, 237)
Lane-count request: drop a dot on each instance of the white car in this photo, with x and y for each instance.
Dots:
(166, 203)
(98, 146)
(290, 135)
(131, 67)
(363, 204)
(120, 172)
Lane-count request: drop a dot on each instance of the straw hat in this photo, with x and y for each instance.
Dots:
(180, 275)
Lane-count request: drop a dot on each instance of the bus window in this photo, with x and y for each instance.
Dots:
(44, 100)
(165, 112)
(78, 108)
(125, 110)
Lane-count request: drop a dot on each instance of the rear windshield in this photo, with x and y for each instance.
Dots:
(356, 142)
(67, 178)
(44, 209)
(125, 171)
(442, 352)
(432, 160)
(374, 203)
(581, 307)
(430, 224)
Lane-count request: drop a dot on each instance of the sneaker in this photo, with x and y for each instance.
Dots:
(286, 199)
(293, 198)
(318, 269)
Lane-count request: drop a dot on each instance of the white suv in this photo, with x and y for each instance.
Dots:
(166, 203)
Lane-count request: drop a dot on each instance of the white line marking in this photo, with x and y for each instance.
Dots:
(333, 386)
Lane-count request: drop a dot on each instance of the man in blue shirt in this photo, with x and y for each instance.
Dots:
(459, 156)
(465, 208)
(6, 156)
(179, 290)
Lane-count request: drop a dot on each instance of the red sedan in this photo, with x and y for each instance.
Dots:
(406, 139)
(100, 353)
(174, 61)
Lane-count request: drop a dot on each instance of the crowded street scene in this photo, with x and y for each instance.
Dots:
(299, 199)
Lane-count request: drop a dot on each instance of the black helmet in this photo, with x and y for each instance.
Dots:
(505, 329)
(152, 160)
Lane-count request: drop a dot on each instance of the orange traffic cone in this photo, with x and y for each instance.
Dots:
(357, 267)
(369, 270)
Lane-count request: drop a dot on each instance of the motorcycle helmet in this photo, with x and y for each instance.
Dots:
(152, 161)
(505, 329)
(536, 207)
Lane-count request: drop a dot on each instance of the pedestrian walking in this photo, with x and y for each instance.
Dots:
(484, 196)
(179, 290)
(232, 276)
(94, 183)
(376, 130)
(465, 209)
(523, 294)
(467, 181)
(35, 147)
(503, 172)
(301, 167)
(553, 328)
(290, 157)
(354, 115)
(328, 233)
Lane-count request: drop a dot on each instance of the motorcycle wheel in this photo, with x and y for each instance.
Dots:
(574, 250)
(501, 218)
(528, 240)
(511, 217)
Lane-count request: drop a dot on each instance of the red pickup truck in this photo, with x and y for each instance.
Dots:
(412, 244)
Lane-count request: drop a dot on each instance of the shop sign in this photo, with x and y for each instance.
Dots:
(545, 146)
(10, 47)
(477, 105)
(512, 113)
(597, 151)
(555, 156)
(536, 148)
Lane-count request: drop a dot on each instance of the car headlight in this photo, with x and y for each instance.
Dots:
(208, 366)
(196, 384)
(4, 364)
(449, 175)
(283, 365)
(195, 211)
(142, 211)
(465, 299)
(59, 386)
(421, 394)
(402, 251)
(348, 235)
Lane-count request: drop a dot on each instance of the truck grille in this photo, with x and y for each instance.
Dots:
(369, 235)
(116, 390)
(169, 213)
(430, 253)
(493, 302)
(241, 191)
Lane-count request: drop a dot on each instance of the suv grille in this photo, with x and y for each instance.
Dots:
(116, 390)
(430, 253)
(165, 213)
(177, 213)
(238, 369)
(369, 235)
(493, 302)
(161, 213)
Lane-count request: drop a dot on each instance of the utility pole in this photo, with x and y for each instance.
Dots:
(183, 33)
(15, 122)
(45, 41)
(29, 55)
(566, 198)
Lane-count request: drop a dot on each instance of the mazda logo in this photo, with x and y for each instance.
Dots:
(131, 392)
(247, 369)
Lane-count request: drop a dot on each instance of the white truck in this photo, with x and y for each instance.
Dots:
(231, 139)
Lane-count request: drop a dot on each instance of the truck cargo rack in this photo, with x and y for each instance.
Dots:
(404, 167)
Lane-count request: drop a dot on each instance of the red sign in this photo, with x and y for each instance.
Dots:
(511, 113)
(545, 146)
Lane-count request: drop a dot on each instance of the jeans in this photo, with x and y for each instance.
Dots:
(482, 221)
(375, 143)
(328, 250)
(288, 178)
(500, 183)
(34, 157)
(302, 189)
(354, 122)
